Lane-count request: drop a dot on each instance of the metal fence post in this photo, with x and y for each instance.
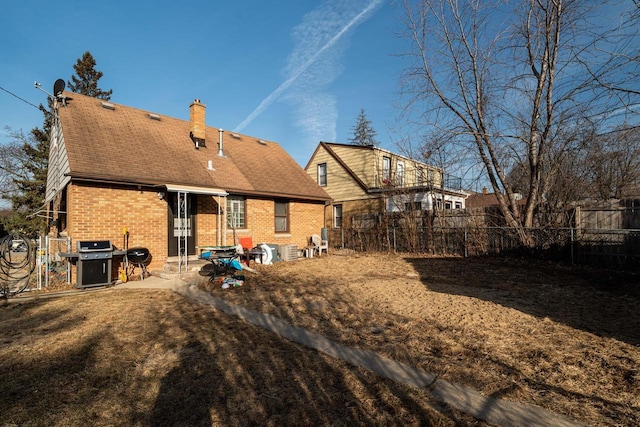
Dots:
(466, 253)
(39, 257)
(394, 239)
(572, 242)
(47, 245)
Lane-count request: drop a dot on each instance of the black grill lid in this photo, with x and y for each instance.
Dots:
(94, 245)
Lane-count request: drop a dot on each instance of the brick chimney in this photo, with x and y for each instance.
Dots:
(197, 112)
(484, 191)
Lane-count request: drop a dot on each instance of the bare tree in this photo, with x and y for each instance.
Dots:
(618, 74)
(614, 164)
(12, 161)
(508, 85)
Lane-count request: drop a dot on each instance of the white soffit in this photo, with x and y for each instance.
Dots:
(196, 190)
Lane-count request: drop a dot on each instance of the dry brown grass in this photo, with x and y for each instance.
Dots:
(567, 340)
(151, 357)
(563, 339)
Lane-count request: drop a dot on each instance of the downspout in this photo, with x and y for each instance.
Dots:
(218, 235)
(224, 226)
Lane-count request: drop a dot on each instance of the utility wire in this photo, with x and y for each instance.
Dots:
(21, 99)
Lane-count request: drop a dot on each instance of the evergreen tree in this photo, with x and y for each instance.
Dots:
(30, 188)
(363, 132)
(85, 81)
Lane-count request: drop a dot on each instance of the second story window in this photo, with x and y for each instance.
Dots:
(386, 169)
(322, 174)
(400, 174)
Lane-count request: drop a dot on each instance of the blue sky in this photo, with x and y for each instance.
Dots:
(295, 72)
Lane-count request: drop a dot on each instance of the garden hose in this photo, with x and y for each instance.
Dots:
(17, 264)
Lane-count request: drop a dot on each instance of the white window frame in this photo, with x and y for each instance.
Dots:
(400, 173)
(322, 173)
(337, 219)
(236, 207)
(386, 169)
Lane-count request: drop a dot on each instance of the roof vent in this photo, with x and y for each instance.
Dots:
(261, 142)
(154, 116)
(108, 105)
(220, 151)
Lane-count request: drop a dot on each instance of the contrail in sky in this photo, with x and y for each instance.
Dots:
(311, 60)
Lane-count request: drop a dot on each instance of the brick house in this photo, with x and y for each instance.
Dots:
(113, 167)
(371, 180)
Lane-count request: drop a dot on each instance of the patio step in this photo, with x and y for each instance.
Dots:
(170, 270)
(193, 265)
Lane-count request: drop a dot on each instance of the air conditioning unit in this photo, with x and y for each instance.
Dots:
(288, 252)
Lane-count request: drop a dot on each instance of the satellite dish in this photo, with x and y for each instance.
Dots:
(58, 87)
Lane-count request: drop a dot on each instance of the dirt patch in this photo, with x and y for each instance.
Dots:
(561, 338)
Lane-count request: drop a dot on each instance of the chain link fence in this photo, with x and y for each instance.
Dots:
(54, 270)
(596, 247)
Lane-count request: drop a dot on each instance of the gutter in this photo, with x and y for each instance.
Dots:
(156, 184)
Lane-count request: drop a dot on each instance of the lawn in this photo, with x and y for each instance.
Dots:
(563, 339)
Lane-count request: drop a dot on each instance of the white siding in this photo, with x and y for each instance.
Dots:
(58, 167)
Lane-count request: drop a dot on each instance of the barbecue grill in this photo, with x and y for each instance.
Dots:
(94, 262)
(138, 257)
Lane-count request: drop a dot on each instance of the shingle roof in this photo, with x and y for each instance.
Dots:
(124, 144)
(481, 200)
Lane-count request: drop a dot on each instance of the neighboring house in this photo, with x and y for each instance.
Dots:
(367, 179)
(483, 210)
(481, 200)
(113, 167)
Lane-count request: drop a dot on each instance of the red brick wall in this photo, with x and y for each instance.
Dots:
(207, 220)
(305, 219)
(101, 212)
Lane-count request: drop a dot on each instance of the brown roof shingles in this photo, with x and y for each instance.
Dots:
(481, 200)
(126, 145)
